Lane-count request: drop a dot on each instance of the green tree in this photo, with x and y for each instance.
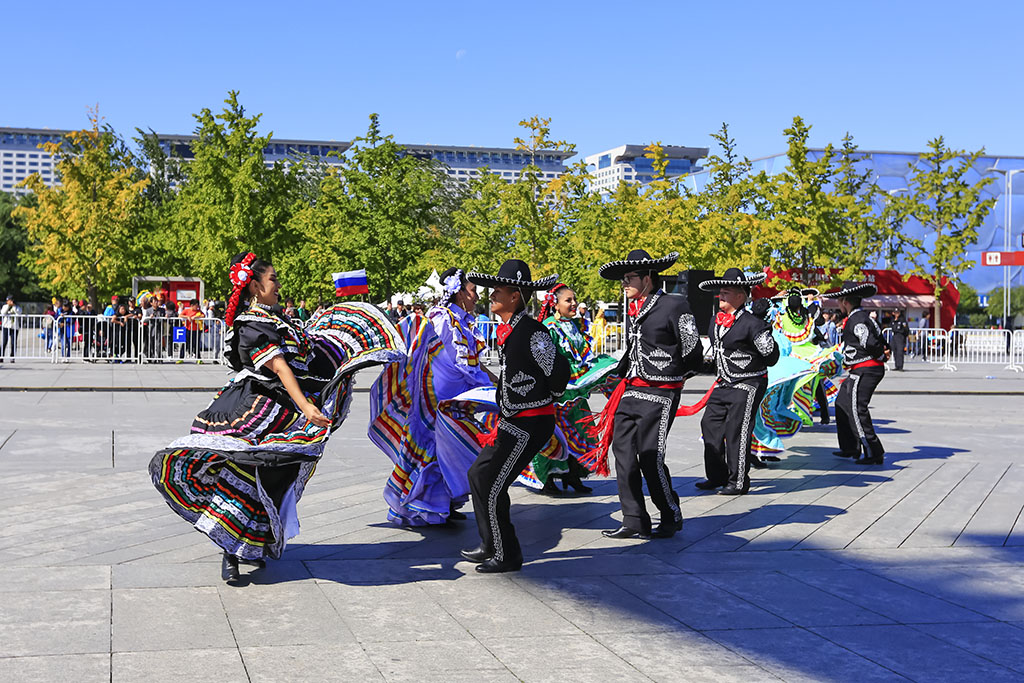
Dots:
(525, 219)
(730, 207)
(231, 201)
(950, 207)
(995, 302)
(820, 208)
(384, 210)
(80, 233)
(15, 277)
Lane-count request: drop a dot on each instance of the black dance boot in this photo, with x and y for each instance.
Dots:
(572, 479)
(492, 566)
(667, 529)
(550, 488)
(478, 554)
(229, 569)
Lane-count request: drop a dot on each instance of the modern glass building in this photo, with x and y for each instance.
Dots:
(627, 163)
(893, 170)
(467, 162)
(20, 156)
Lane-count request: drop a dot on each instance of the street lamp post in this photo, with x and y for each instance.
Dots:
(1007, 217)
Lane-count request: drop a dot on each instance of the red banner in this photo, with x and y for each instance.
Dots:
(887, 281)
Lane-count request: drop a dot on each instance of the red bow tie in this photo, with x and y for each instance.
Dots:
(636, 305)
(725, 319)
(504, 329)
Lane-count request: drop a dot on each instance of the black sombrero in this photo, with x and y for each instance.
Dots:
(860, 290)
(513, 273)
(638, 260)
(734, 277)
(810, 291)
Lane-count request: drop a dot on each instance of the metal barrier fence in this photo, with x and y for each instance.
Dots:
(960, 346)
(99, 338)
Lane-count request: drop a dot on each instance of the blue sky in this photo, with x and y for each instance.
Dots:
(894, 74)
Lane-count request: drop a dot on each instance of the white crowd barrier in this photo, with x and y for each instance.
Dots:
(99, 338)
(963, 346)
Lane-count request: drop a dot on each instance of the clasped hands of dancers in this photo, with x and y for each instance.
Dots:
(453, 430)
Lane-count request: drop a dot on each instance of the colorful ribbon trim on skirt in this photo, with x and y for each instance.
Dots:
(488, 439)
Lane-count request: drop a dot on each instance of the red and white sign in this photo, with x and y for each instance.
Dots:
(1002, 258)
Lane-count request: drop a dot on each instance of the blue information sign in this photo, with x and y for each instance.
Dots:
(179, 335)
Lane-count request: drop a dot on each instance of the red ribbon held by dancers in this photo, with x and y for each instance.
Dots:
(488, 438)
(602, 425)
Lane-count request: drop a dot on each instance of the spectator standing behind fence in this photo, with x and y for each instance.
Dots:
(193, 329)
(9, 322)
(65, 331)
(900, 332)
(49, 321)
(87, 328)
(119, 332)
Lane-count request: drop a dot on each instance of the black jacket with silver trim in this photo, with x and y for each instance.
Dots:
(862, 339)
(532, 372)
(745, 350)
(662, 342)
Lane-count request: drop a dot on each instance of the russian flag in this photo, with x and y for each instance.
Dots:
(351, 282)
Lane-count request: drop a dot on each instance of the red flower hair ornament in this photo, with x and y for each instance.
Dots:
(240, 275)
(241, 272)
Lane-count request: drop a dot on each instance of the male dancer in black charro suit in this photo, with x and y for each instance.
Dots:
(864, 356)
(744, 348)
(532, 374)
(662, 349)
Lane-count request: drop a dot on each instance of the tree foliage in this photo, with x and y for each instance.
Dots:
(120, 212)
(80, 233)
(943, 200)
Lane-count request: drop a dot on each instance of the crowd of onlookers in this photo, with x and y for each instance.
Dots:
(125, 330)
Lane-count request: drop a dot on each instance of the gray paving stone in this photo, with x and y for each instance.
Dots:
(46, 669)
(392, 612)
(188, 618)
(283, 614)
(178, 575)
(792, 600)
(18, 579)
(895, 601)
(696, 603)
(596, 605)
(796, 654)
(214, 665)
(55, 623)
(992, 524)
(916, 655)
(495, 605)
(995, 641)
(561, 658)
(411, 660)
(302, 663)
(106, 536)
(742, 561)
(682, 655)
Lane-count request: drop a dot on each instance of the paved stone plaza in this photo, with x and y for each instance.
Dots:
(826, 571)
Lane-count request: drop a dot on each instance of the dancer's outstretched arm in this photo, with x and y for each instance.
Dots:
(281, 368)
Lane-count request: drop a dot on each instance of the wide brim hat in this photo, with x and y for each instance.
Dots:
(810, 291)
(860, 290)
(513, 273)
(734, 277)
(637, 261)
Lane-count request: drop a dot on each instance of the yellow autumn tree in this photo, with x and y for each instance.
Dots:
(80, 232)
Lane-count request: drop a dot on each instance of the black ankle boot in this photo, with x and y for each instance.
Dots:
(229, 569)
(572, 479)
